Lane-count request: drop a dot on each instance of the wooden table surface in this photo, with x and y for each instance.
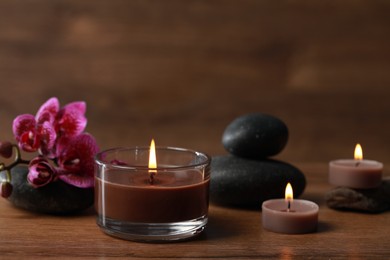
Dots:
(230, 233)
(180, 71)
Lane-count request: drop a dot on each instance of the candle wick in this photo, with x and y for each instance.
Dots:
(357, 164)
(288, 205)
(151, 177)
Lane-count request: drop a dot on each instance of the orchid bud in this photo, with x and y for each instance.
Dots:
(5, 189)
(40, 172)
(6, 149)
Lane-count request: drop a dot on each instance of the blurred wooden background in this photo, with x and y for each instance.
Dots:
(180, 71)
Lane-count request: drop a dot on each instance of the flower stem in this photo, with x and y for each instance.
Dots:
(18, 159)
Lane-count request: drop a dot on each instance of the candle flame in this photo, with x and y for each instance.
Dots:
(289, 192)
(152, 157)
(358, 152)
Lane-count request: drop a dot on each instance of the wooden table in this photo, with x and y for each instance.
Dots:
(180, 71)
(231, 233)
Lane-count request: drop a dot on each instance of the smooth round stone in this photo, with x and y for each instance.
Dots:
(255, 136)
(55, 198)
(247, 183)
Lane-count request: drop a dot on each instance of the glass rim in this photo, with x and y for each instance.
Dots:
(98, 158)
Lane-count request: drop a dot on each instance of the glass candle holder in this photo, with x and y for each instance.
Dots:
(166, 203)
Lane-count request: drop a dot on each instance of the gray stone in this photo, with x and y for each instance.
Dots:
(241, 182)
(255, 136)
(55, 198)
(375, 200)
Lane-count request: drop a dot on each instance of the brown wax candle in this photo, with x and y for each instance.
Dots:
(301, 217)
(169, 199)
(152, 193)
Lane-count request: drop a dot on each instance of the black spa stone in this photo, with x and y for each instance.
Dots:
(240, 182)
(255, 136)
(55, 198)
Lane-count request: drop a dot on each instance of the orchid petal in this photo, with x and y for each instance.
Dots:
(79, 106)
(48, 135)
(71, 119)
(29, 141)
(48, 111)
(76, 160)
(22, 124)
(24, 129)
(78, 181)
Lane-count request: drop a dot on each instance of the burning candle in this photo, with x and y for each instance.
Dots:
(140, 197)
(290, 216)
(356, 173)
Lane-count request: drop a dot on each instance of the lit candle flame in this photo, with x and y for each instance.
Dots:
(358, 152)
(289, 192)
(152, 161)
(289, 196)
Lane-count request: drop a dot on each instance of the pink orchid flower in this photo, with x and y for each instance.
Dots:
(40, 132)
(71, 119)
(57, 134)
(40, 172)
(37, 132)
(76, 160)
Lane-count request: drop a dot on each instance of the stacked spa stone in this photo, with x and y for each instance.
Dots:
(247, 176)
(57, 198)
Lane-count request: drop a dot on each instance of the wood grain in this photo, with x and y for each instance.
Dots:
(180, 71)
(154, 69)
(231, 233)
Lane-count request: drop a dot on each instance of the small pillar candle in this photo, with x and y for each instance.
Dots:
(356, 173)
(290, 216)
